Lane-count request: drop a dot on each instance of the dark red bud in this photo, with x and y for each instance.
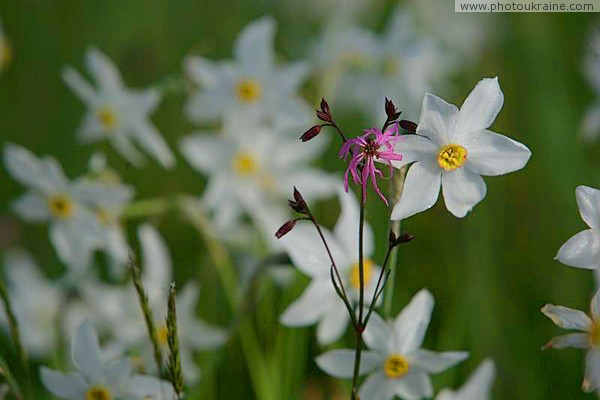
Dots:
(325, 106)
(323, 116)
(298, 204)
(390, 108)
(285, 229)
(408, 126)
(311, 133)
(405, 238)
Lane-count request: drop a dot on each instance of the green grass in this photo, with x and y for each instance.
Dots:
(490, 272)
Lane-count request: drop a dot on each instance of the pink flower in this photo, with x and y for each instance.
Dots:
(372, 145)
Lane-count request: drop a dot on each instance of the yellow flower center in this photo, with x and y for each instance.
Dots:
(248, 90)
(595, 335)
(108, 118)
(162, 334)
(367, 273)
(61, 206)
(5, 53)
(245, 164)
(396, 366)
(98, 392)
(452, 156)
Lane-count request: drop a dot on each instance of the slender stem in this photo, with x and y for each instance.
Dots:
(359, 328)
(397, 186)
(381, 284)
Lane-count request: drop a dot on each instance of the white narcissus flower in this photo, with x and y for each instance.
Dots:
(117, 113)
(251, 170)
(452, 148)
(588, 336)
(590, 129)
(583, 249)
(96, 379)
(118, 311)
(320, 304)
(53, 198)
(395, 361)
(251, 84)
(478, 387)
(36, 303)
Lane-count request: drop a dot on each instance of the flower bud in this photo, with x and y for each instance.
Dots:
(390, 108)
(403, 238)
(311, 133)
(285, 229)
(408, 126)
(325, 106)
(323, 116)
(298, 204)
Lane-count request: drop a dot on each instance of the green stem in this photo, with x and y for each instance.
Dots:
(148, 207)
(396, 188)
(359, 328)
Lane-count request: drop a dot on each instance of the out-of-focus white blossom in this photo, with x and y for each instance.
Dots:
(478, 387)
(587, 337)
(117, 113)
(252, 170)
(252, 84)
(590, 129)
(320, 304)
(395, 361)
(452, 148)
(97, 379)
(36, 303)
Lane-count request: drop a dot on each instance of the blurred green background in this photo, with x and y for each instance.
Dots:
(490, 272)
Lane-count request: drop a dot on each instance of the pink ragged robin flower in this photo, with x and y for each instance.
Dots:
(372, 145)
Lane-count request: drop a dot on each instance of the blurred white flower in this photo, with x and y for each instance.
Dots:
(36, 303)
(402, 66)
(397, 364)
(117, 113)
(252, 170)
(251, 84)
(52, 198)
(118, 311)
(590, 129)
(96, 379)
(452, 149)
(583, 249)
(320, 304)
(478, 387)
(588, 336)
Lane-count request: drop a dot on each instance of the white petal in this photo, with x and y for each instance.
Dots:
(414, 386)
(340, 363)
(411, 324)
(73, 242)
(595, 305)
(76, 83)
(333, 323)
(480, 108)
(492, 154)
(347, 226)
(377, 387)
(254, 45)
(435, 363)
(309, 307)
(70, 386)
(90, 129)
(578, 340)
(150, 139)
(379, 335)
(462, 190)
(205, 106)
(567, 318)
(592, 371)
(156, 261)
(308, 253)
(590, 127)
(203, 71)
(118, 371)
(588, 201)
(414, 148)
(478, 387)
(27, 169)
(142, 387)
(206, 153)
(421, 190)
(205, 336)
(581, 250)
(32, 207)
(86, 351)
(313, 183)
(102, 68)
(437, 120)
(125, 148)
